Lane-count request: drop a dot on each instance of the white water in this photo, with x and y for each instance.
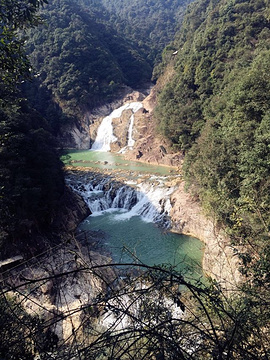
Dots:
(148, 200)
(153, 203)
(131, 142)
(105, 135)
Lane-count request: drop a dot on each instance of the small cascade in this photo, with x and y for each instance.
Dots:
(131, 142)
(125, 198)
(105, 135)
(153, 204)
(150, 201)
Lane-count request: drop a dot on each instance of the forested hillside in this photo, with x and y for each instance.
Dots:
(86, 51)
(216, 108)
(150, 24)
(79, 59)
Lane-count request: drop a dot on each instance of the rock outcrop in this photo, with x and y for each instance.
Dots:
(150, 147)
(72, 210)
(219, 260)
(82, 134)
(59, 286)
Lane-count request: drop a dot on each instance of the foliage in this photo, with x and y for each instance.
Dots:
(16, 327)
(216, 109)
(152, 313)
(87, 50)
(216, 41)
(80, 60)
(150, 24)
(31, 180)
(14, 16)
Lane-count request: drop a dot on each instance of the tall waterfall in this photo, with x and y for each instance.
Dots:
(105, 134)
(150, 200)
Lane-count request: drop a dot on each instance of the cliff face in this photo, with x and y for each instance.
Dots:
(82, 134)
(72, 210)
(219, 261)
(149, 146)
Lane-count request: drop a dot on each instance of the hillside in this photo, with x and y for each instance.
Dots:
(31, 178)
(216, 109)
(87, 51)
(150, 24)
(79, 60)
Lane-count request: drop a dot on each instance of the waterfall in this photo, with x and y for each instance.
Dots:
(149, 200)
(131, 142)
(153, 204)
(105, 135)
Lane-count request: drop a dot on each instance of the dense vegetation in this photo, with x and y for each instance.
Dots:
(79, 59)
(86, 51)
(150, 24)
(216, 108)
(31, 180)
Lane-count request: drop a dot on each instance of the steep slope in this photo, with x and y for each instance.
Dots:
(80, 60)
(31, 178)
(216, 108)
(151, 24)
(87, 51)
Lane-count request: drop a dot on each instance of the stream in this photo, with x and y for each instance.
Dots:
(130, 203)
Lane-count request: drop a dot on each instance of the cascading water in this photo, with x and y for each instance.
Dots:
(153, 204)
(150, 201)
(131, 142)
(125, 213)
(117, 213)
(105, 135)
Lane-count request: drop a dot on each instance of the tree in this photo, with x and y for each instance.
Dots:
(140, 312)
(27, 155)
(15, 15)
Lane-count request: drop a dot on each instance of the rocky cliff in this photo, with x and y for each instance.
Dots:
(82, 134)
(71, 211)
(59, 286)
(219, 260)
(150, 147)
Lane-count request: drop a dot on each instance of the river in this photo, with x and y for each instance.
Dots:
(130, 204)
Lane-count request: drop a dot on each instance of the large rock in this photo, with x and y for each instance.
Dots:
(149, 146)
(59, 286)
(120, 130)
(72, 210)
(219, 260)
